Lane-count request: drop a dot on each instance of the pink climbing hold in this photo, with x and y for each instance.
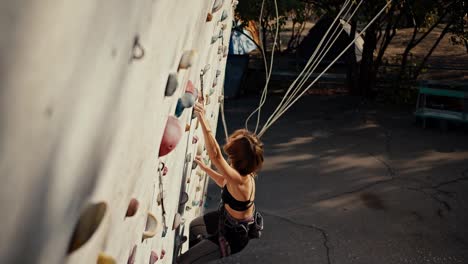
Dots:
(153, 258)
(132, 207)
(194, 140)
(132, 257)
(171, 137)
(165, 170)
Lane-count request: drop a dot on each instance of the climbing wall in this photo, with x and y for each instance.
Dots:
(97, 136)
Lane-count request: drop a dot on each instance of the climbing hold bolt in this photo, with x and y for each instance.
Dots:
(132, 207)
(171, 137)
(171, 85)
(151, 226)
(187, 59)
(205, 70)
(138, 51)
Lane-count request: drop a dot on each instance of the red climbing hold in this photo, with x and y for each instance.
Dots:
(163, 252)
(132, 207)
(209, 17)
(153, 258)
(171, 137)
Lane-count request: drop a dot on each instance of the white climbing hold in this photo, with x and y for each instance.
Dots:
(151, 226)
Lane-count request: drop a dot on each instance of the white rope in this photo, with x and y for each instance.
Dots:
(311, 59)
(322, 55)
(223, 118)
(325, 70)
(268, 71)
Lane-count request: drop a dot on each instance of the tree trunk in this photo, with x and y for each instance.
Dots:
(429, 54)
(368, 73)
(352, 65)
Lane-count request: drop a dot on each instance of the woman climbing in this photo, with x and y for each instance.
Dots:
(228, 230)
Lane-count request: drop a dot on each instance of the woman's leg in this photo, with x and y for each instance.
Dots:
(202, 252)
(203, 227)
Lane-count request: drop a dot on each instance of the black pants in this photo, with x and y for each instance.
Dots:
(203, 240)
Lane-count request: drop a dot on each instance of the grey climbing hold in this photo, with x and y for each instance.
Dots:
(194, 165)
(224, 15)
(89, 221)
(214, 39)
(205, 70)
(171, 85)
(183, 198)
(188, 157)
(217, 5)
(218, 73)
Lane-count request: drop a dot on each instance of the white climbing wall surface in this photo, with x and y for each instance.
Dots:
(85, 99)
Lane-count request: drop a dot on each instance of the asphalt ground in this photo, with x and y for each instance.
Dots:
(352, 182)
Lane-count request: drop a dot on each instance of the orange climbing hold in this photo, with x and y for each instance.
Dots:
(171, 137)
(105, 259)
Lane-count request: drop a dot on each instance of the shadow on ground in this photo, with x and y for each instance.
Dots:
(349, 182)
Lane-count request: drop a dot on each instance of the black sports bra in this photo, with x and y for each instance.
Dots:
(233, 203)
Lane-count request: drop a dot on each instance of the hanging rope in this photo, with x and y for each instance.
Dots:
(323, 53)
(280, 113)
(267, 70)
(309, 62)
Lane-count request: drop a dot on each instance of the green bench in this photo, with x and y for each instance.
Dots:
(447, 101)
